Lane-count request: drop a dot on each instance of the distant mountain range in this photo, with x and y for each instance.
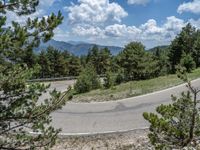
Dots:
(162, 48)
(79, 48)
(76, 48)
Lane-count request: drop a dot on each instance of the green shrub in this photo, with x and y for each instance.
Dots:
(119, 77)
(87, 80)
(109, 79)
(187, 62)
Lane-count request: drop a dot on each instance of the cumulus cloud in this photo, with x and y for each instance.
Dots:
(87, 31)
(195, 23)
(94, 12)
(193, 7)
(60, 34)
(149, 32)
(138, 2)
(121, 30)
(47, 3)
(150, 27)
(174, 24)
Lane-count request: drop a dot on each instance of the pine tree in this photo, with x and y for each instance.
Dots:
(196, 49)
(57, 62)
(183, 43)
(137, 63)
(74, 66)
(109, 79)
(104, 61)
(29, 58)
(130, 58)
(161, 55)
(176, 125)
(187, 62)
(148, 67)
(44, 63)
(20, 111)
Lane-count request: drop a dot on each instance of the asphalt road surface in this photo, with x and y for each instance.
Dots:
(114, 116)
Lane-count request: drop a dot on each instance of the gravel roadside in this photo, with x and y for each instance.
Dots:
(132, 140)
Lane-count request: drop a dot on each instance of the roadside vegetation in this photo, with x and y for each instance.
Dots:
(176, 125)
(123, 74)
(135, 71)
(132, 63)
(133, 88)
(132, 72)
(20, 109)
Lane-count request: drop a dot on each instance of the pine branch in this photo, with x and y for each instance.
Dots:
(36, 116)
(8, 5)
(49, 109)
(12, 128)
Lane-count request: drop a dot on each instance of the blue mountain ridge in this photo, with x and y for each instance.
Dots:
(76, 48)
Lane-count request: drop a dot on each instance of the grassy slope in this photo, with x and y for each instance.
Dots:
(133, 88)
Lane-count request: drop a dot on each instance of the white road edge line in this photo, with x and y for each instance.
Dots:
(120, 131)
(94, 133)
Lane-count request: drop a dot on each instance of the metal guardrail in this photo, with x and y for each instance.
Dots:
(52, 79)
(58, 79)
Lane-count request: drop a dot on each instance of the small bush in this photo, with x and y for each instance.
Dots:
(187, 62)
(109, 80)
(119, 77)
(70, 97)
(87, 80)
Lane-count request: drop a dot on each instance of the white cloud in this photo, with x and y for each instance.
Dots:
(174, 24)
(95, 12)
(118, 30)
(195, 23)
(87, 31)
(150, 27)
(46, 3)
(11, 16)
(138, 2)
(150, 33)
(60, 34)
(193, 7)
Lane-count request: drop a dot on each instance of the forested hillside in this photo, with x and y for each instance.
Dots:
(132, 63)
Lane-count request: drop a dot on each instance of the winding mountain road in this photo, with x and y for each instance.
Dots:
(114, 116)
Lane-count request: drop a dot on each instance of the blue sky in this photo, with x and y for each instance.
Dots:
(117, 22)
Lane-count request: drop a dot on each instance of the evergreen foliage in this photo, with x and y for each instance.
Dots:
(55, 63)
(20, 109)
(196, 49)
(187, 62)
(74, 66)
(109, 79)
(87, 80)
(137, 63)
(185, 42)
(120, 77)
(177, 125)
(100, 59)
(161, 56)
(22, 113)
(133, 63)
(21, 7)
